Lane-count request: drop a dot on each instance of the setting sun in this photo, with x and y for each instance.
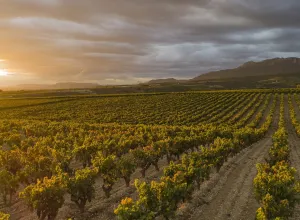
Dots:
(3, 72)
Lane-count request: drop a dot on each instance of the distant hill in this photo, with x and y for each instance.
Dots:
(277, 66)
(163, 81)
(271, 73)
(72, 85)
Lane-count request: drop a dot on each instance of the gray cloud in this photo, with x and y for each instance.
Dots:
(128, 41)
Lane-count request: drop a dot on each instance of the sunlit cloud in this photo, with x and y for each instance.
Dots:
(3, 72)
(119, 41)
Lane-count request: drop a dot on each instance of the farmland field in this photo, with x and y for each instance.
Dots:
(194, 155)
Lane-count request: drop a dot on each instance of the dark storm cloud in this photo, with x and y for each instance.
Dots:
(123, 41)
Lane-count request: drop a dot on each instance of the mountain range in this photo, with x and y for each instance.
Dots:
(277, 66)
(270, 67)
(277, 72)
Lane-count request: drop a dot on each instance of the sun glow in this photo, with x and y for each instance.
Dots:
(3, 72)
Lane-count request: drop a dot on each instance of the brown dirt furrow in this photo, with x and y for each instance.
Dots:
(294, 141)
(231, 197)
(230, 194)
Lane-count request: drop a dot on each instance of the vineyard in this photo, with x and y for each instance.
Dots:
(195, 155)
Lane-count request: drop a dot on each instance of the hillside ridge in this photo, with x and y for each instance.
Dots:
(266, 67)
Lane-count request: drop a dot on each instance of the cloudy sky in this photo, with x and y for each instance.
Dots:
(126, 41)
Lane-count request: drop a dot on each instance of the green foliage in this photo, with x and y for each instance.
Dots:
(188, 109)
(155, 199)
(142, 160)
(85, 152)
(126, 167)
(12, 160)
(9, 184)
(46, 197)
(39, 163)
(129, 210)
(81, 187)
(108, 170)
(4, 216)
(280, 149)
(218, 152)
(192, 168)
(276, 189)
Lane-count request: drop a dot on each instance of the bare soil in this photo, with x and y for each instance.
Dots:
(294, 144)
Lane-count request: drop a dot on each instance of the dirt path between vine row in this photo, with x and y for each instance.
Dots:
(294, 145)
(229, 194)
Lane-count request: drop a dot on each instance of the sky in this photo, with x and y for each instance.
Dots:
(130, 41)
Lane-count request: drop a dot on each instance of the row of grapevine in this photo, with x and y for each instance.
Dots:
(166, 109)
(229, 109)
(257, 109)
(236, 112)
(294, 119)
(259, 115)
(161, 198)
(275, 186)
(250, 107)
(27, 164)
